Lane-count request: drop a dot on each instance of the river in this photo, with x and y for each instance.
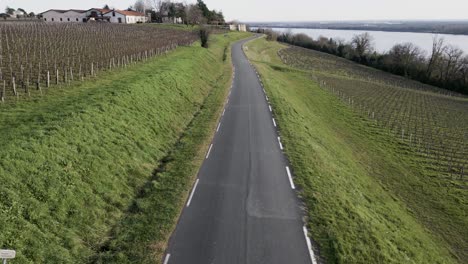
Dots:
(384, 41)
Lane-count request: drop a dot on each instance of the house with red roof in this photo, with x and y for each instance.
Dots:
(126, 17)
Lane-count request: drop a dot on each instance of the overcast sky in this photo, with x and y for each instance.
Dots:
(289, 10)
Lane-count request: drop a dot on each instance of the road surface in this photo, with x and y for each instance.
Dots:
(242, 208)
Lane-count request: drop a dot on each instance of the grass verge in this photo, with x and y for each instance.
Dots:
(367, 201)
(77, 167)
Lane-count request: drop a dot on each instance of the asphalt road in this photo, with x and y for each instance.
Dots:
(242, 208)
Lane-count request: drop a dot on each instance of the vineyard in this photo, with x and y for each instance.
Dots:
(431, 122)
(38, 56)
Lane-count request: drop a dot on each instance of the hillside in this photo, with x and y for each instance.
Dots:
(97, 171)
(372, 196)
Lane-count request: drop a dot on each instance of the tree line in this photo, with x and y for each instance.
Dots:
(179, 12)
(11, 12)
(445, 67)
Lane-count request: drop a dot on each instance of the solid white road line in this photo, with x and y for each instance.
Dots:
(274, 123)
(281, 145)
(166, 260)
(224, 111)
(269, 106)
(309, 246)
(290, 178)
(192, 193)
(209, 150)
(219, 125)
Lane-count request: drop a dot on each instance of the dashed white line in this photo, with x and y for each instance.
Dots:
(269, 106)
(192, 193)
(281, 145)
(209, 150)
(224, 111)
(166, 260)
(227, 102)
(266, 98)
(274, 122)
(309, 246)
(219, 125)
(290, 178)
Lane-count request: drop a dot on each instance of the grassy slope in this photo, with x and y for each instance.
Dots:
(75, 162)
(354, 180)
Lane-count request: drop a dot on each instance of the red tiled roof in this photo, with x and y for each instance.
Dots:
(129, 13)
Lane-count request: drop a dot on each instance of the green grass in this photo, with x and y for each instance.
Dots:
(79, 168)
(367, 201)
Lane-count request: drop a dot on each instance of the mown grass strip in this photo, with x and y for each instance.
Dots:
(78, 165)
(351, 175)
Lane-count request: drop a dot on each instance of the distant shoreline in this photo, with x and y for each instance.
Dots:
(363, 28)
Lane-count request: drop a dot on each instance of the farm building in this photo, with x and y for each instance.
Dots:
(238, 27)
(56, 15)
(125, 17)
(93, 14)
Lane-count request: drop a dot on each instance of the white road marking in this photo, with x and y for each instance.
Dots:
(266, 98)
(309, 246)
(227, 101)
(264, 91)
(208, 154)
(192, 193)
(219, 125)
(269, 106)
(281, 145)
(166, 260)
(274, 123)
(290, 178)
(224, 111)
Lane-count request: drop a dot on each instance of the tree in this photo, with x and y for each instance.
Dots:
(204, 36)
(453, 63)
(106, 6)
(140, 6)
(22, 10)
(32, 14)
(194, 15)
(9, 10)
(438, 49)
(362, 44)
(405, 57)
(204, 9)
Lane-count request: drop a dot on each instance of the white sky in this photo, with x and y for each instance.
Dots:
(289, 10)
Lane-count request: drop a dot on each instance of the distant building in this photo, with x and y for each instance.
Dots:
(18, 14)
(238, 27)
(57, 15)
(93, 14)
(126, 17)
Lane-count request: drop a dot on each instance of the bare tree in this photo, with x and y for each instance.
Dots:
(406, 56)
(194, 15)
(363, 44)
(453, 62)
(140, 6)
(438, 49)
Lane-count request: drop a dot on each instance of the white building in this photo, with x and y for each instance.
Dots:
(72, 15)
(126, 17)
(18, 13)
(94, 14)
(238, 27)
